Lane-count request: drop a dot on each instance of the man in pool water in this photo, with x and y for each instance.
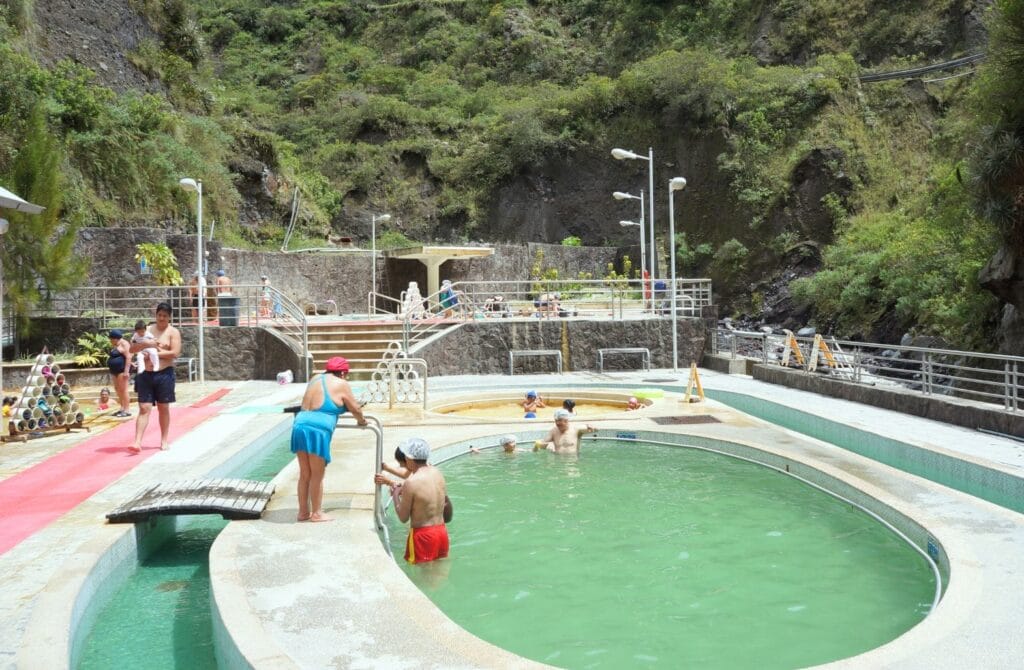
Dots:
(403, 471)
(562, 439)
(506, 442)
(421, 502)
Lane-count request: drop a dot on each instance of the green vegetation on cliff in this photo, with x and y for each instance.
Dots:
(429, 107)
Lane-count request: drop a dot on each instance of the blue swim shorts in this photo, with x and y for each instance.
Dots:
(155, 387)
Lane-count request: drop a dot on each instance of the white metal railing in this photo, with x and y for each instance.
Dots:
(989, 378)
(122, 306)
(551, 299)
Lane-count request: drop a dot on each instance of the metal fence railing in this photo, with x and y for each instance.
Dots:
(547, 299)
(989, 378)
(122, 306)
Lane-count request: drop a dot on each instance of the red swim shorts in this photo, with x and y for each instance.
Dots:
(427, 544)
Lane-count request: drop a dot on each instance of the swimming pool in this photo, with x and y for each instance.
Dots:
(166, 594)
(638, 554)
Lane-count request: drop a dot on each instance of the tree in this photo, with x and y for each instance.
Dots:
(38, 258)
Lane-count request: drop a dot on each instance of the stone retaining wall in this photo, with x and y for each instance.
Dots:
(482, 347)
(342, 276)
(939, 408)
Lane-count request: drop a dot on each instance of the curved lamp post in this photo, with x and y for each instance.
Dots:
(623, 154)
(197, 185)
(619, 195)
(373, 253)
(674, 184)
(643, 267)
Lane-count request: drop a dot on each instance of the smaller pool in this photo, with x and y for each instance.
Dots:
(506, 407)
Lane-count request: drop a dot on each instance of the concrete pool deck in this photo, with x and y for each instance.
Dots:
(327, 595)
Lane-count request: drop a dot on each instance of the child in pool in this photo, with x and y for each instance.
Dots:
(532, 403)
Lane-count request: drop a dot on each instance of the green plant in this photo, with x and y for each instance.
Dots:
(93, 350)
(572, 241)
(161, 259)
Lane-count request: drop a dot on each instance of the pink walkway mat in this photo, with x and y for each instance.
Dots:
(31, 500)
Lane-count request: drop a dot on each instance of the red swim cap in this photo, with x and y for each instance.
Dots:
(336, 364)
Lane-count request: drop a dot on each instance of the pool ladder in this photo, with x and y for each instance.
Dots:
(373, 425)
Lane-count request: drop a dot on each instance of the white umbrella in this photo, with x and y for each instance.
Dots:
(11, 201)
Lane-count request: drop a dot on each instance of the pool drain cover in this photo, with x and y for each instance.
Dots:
(675, 420)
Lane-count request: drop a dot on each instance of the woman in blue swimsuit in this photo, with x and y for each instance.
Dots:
(327, 397)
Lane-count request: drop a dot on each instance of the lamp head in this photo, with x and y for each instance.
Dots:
(4, 225)
(625, 224)
(188, 184)
(677, 183)
(619, 195)
(622, 154)
(384, 217)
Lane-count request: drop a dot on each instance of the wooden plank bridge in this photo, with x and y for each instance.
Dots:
(233, 499)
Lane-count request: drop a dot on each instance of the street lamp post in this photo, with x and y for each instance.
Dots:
(643, 269)
(674, 184)
(4, 225)
(373, 253)
(622, 154)
(197, 186)
(619, 195)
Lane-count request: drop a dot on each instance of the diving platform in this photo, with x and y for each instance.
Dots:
(233, 499)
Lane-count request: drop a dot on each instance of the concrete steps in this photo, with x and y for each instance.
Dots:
(362, 344)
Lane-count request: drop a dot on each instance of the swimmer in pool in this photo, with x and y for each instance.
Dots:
(507, 444)
(562, 439)
(403, 472)
(569, 406)
(532, 403)
(633, 404)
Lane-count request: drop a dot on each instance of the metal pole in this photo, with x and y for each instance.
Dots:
(2, 318)
(650, 198)
(373, 258)
(202, 283)
(643, 253)
(672, 276)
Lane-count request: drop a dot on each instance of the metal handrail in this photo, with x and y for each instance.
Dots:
(371, 303)
(924, 370)
(374, 426)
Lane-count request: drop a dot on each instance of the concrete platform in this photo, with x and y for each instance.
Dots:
(305, 595)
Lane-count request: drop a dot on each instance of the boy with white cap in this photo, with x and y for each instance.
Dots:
(421, 503)
(561, 439)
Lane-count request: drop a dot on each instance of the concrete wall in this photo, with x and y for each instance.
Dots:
(482, 347)
(939, 408)
(342, 276)
(242, 353)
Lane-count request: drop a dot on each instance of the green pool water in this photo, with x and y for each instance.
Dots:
(160, 617)
(637, 555)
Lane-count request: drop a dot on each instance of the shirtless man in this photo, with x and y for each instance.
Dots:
(223, 283)
(156, 387)
(421, 502)
(562, 439)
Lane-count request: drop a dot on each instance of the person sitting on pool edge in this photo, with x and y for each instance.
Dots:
(532, 403)
(562, 439)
